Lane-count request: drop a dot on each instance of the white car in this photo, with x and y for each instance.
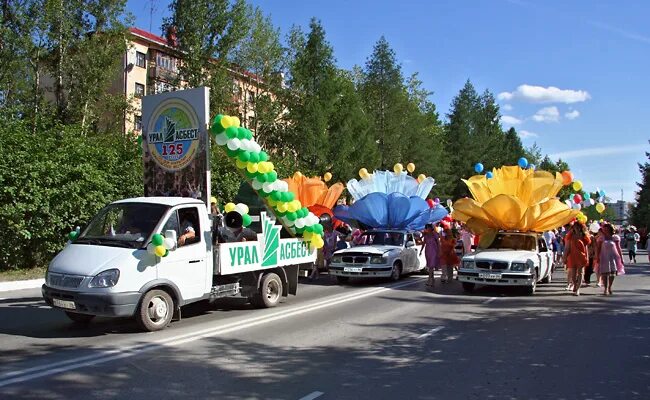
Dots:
(513, 259)
(384, 254)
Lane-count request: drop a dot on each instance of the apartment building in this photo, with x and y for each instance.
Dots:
(151, 66)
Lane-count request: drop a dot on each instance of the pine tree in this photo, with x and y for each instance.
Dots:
(640, 212)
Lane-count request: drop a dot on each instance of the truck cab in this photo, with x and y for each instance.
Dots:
(383, 254)
(513, 259)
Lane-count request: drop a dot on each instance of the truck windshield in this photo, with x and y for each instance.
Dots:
(123, 225)
(384, 238)
(513, 242)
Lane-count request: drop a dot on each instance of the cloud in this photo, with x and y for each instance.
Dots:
(573, 114)
(540, 94)
(547, 114)
(524, 134)
(507, 107)
(600, 151)
(510, 120)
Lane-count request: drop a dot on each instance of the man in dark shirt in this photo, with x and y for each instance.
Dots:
(234, 231)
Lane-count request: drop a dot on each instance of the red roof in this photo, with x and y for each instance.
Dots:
(150, 36)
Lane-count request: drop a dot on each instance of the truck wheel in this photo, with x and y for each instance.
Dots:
(468, 287)
(530, 290)
(79, 318)
(155, 311)
(396, 272)
(342, 279)
(269, 292)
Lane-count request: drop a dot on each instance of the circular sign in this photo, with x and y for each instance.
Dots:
(173, 136)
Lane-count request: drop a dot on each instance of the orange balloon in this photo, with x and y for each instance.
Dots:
(567, 178)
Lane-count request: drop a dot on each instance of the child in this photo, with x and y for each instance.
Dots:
(448, 257)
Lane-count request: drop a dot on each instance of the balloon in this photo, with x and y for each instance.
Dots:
(601, 193)
(160, 251)
(577, 199)
(489, 175)
(431, 203)
(586, 196)
(363, 173)
(221, 139)
(157, 239)
(251, 167)
(567, 178)
(169, 243)
(216, 127)
(478, 168)
(522, 162)
(233, 144)
(398, 168)
(246, 220)
(235, 121)
(229, 207)
(577, 206)
(410, 167)
(263, 156)
(437, 200)
(241, 208)
(240, 164)
(231, 132)
(226, 121)
(73, 235)
(327, 177)
(592, 202)
(577, 185)
(600, 207)
(532, 166)
(421, 178)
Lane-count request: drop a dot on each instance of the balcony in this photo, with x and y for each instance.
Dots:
(163, 74)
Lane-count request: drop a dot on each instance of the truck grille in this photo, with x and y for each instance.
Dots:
(492, 265)
(66, 281)
(355, 259)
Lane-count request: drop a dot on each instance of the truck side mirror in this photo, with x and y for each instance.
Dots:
(171, 234)
(410, 243)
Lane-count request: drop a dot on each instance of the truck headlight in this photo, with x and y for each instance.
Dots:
(519, 266)
(377, 260)
(336, 259)
(105, 279)
(468, 264)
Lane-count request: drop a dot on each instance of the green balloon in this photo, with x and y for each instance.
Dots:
(318, 228)
(232, 132)
(262, 178)
(157, 239)
(244, 156)
(309, 228)
(280, 213)
(300, 230)
(241, 133)
(289, 196)
(249, 134)
(275, 195)
(264, 156)
(232, 153)
(254, 157)
(271, 176)
(292, 216)
(250, 175)
(73, 235)
(246, 220)
(166, 253)
(139, 140)
(305, 212)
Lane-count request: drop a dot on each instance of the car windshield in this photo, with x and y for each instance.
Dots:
(384, 238)
(124, 224)
(513, 242)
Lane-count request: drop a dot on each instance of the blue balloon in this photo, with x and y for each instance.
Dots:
(523, 163)
(489, 175)
(532, 166)
(586, 196)
(478, 168)
(601, 193)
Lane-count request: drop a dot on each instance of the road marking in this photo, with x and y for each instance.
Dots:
(312, 396)
(490, 300)
(117, 354)
(431, 332)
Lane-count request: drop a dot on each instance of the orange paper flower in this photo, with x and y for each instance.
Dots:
(313, 191)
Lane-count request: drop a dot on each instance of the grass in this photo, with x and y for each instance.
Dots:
(22, 274)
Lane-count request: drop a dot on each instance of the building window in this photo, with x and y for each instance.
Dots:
(140, 59)
(250, 97)
(139, 90)
(162, 87)
(166, 62)
(138, 122)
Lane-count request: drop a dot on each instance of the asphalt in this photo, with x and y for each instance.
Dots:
(365, 340)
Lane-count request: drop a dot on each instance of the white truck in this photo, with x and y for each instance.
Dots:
(384, 254)
(513, 259)
(107, 270)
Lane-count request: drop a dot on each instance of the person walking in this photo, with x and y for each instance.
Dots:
(448, 257)
(576, 255)
(610, 257)
(591, 264)
(632, 238)
(431, 249)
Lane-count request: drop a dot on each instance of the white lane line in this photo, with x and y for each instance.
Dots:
(116, 354)
(490, 300)
(312, 396)
(431, 332)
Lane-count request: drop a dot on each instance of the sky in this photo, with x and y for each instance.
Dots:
(572, 77)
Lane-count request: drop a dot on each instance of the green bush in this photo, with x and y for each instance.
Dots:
(54, 180)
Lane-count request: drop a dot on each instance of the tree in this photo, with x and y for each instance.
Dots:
(640, 212)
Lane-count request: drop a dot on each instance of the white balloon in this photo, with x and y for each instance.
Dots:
(151, 249)
(288, 222)
(267, 187)
(256, 147)
(577, 207)
(241, 208)
(221, 139)
(257, 185)
(591, 202)
(169, 243)
(233, 144)
(568, 203)
(244, 144)
(300, 223)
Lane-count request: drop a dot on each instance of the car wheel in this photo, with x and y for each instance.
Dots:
(530, 290)
(396, 272)
(270, 291)
(548, 278)
(155, 311)
(79, 318)
(468, 287)
(342, 279)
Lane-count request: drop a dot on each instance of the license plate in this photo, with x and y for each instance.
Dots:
(64, 304)
(489, 276)
(352, 269)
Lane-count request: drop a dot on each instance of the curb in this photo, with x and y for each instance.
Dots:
(21, 285)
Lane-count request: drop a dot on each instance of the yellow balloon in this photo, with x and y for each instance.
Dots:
(307, 235)
(327, 177)
(363, 173)
(600, 207)
(226, 121)
(270, 166)
(283, 207)
(240, 164)
(229, 207)
(160, 250)
(410, 167)
(421, 178)
(272, 202)
(398, 168)
(261, 167)
(297, 175)
(577, 185)
(234, 121)
(251, 167)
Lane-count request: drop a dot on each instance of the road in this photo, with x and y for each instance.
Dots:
(366, 340)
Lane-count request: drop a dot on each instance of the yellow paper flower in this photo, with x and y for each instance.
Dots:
(514, 199)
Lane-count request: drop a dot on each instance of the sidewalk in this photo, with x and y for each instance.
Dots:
(21, 285)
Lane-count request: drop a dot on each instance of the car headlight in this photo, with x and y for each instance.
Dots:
(377, 260)
(468, 264)
(519, 266)
(336, 259)
(105, 279)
